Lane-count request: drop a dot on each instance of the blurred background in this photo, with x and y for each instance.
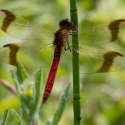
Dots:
(102, 94)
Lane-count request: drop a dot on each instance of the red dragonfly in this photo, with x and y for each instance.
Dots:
(54, 43)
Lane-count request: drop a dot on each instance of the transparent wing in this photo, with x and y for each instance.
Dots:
(32, 56)
(93, 60)
(20, 28)
(97, 61)
(103, 34)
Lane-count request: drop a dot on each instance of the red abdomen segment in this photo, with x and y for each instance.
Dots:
(52, 73)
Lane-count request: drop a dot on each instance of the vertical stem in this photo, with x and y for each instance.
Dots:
(76, 85)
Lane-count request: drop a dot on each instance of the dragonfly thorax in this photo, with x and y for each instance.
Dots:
(61, 37)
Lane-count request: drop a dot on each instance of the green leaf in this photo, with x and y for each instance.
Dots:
(49, 121)
(14, 77)
(19, 77)
(60, 108)
(4, 118)
(37, 95)
(21, 73)
(29, 92)
(25, 113)
(17, 118)
(38, 87)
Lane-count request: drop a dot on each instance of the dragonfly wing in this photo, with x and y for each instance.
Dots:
(103, 34)
(98, 61)
(66, 60)
(32, 56)
(20, 28)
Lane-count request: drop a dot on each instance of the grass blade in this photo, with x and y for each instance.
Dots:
(17, 118)
(4, 118)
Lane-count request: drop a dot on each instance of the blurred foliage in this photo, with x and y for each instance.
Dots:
(102, 95)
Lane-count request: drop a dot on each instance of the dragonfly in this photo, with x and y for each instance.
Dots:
(54, 47)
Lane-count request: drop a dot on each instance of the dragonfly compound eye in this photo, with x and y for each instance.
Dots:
(66, 24)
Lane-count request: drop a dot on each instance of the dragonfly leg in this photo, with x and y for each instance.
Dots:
(74, 31)
(68, 47)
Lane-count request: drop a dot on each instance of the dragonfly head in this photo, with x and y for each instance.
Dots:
(66, 24)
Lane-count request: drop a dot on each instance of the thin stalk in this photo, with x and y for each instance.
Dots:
(76, 85)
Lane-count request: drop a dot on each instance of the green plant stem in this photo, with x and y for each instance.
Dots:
(76, 85)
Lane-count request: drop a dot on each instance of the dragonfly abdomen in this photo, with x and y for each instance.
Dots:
(52, 73)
